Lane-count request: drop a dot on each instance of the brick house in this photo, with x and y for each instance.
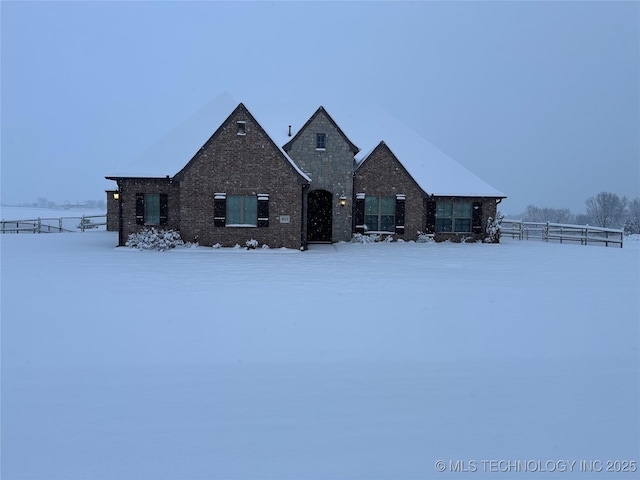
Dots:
(241, 185)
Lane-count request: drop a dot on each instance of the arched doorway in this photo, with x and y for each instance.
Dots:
(319, 216)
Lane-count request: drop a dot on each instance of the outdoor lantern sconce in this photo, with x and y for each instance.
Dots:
(116, 196)
(343, 201)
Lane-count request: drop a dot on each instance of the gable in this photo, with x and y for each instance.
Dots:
(240, 137)
(382, 165)
(319, 114)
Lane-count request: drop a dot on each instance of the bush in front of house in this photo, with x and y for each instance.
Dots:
(493, 229)
(155, 239)
(424, 237)
(372, 238)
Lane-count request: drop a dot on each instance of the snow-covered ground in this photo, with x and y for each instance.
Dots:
(348, 361)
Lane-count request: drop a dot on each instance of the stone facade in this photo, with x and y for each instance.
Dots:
(330, 168)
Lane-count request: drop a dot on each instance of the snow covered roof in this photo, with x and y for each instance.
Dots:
(365, 125)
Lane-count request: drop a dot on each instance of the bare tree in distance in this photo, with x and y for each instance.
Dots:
(605, 209)
(632, 224)
(546, 214)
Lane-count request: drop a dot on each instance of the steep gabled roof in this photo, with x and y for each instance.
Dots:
(434, 171)
(384, 148)
(170, 155)
(320, 111)
(241, 109)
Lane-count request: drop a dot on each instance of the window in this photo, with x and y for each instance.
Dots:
(453, 217)
(321, 141)
(379, 214)
(242, 210)
(242, 128)
(151, 208)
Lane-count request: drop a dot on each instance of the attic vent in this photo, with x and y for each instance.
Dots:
(242, 128)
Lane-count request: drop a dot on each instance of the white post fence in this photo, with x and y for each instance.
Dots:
(585, 234)
(53, 225)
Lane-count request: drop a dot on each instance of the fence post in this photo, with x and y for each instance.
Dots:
(546, 232)
(586, 237)
(39, 226)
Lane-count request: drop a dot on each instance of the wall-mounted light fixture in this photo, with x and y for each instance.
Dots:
(116, 195)
(343, 201)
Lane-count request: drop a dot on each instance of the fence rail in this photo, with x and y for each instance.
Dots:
(561, 232)
(53, 225)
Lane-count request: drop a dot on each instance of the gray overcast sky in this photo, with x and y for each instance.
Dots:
(540, 99)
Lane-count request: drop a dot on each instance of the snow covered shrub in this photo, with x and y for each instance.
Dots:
(265, 247)
(493, 229)
(154, 239)
(361, 238)
(373, 238)
(216, 246)
(424, 238)
(251, 244)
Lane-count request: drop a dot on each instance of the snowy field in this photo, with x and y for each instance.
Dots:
(510, 361)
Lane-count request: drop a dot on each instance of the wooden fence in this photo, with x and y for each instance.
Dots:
(547, 231)
(53, 225)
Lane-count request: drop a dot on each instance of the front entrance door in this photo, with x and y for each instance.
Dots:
(319, 216)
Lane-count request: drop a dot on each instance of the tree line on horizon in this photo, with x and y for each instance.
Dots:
(606, 209)
(42, 202)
